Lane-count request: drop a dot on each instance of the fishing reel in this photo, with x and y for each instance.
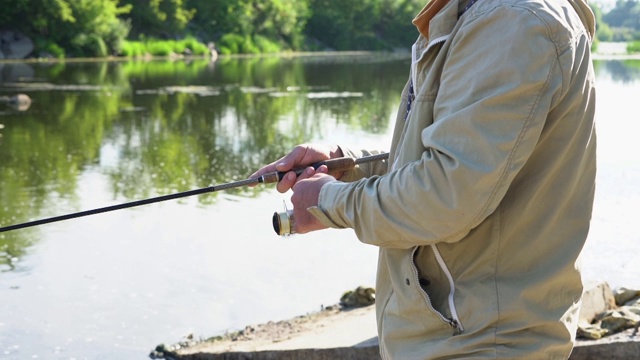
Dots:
(283, 222)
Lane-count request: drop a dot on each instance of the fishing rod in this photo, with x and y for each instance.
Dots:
(338, 164)
(283, 221)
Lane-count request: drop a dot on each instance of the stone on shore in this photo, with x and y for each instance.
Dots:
(340, 333)
(605, 312)
(14, 45)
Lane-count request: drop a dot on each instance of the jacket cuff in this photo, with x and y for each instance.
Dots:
(328, 204)
(319, 214)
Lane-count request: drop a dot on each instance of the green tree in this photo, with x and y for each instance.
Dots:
(603, 31)
(626, 13)
(279, 21)
(366, 24)
(159, 18)
(83, 28)
(342, 24)
(624, 20)
(395, 21)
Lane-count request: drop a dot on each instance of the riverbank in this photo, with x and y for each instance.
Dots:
(605, 51)
(614, 51)
(350, 333)
(287, 54)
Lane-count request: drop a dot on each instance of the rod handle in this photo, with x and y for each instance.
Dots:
(334, 165)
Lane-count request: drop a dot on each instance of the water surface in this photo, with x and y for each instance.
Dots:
(114, 285)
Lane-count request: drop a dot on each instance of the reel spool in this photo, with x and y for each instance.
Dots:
(283, 222)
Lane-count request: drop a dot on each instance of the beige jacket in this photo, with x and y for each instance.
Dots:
(487, 202)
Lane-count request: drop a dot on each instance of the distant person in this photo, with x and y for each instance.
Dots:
(486, 201)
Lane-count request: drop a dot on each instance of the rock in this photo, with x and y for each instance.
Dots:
(619, 320)
(337, 334)
(592, 332)
(624, 295)
(596, 299)
(361, 296)
(20, 102)
(601, 314)
(213, 51)
(14, 45)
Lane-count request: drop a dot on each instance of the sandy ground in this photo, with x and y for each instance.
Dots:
(330, 328)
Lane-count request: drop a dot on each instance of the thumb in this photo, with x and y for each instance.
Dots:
(291, 160)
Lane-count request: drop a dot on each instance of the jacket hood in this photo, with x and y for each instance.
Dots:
(586, 16)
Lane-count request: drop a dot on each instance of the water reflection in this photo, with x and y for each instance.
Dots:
(97, 134)
(161, 127)
(624, 71)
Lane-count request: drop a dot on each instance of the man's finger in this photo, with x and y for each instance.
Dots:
(322, 169)
(287, 182)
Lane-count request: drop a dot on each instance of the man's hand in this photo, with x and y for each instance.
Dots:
(306, 192)
(299, 157)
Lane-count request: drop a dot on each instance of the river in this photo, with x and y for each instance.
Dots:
(112, 286)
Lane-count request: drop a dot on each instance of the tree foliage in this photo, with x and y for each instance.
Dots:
(367, 24)
(281, 21)
(603, 31)
(81, 27)
(626, 13)
(159, 17)
(623, 20)
(98, 27)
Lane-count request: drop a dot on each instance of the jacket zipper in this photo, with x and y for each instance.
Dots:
(415, 59)
(413, 75)
(454, 322)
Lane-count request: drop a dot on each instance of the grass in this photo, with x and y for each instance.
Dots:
(155, 47)
(238, 44)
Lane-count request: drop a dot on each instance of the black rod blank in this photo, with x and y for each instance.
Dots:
(333, 164)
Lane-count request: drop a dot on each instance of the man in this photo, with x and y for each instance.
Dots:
(486, 202)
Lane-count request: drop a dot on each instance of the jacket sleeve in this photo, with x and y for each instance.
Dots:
(497, 86)
(364, 170)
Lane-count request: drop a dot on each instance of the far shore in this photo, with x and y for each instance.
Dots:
(285, 54)
(598, 55)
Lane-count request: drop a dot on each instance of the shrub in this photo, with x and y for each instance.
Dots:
(633, 47)
(132, 49)
(230, 44)
(96, 47)
(90, 45)
(162, 47)
(46, 46)
(116, 35)
(196, 47)
(248, 47)
(265, 45)
(237, 44)
(158, 48)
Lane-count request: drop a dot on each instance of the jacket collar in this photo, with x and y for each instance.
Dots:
(422, 20)
(438, 18)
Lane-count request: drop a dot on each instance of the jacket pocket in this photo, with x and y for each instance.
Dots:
(409, 324)
(407, 314)
(437, 286)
